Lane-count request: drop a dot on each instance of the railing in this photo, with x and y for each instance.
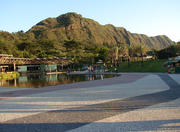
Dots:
(7, 60)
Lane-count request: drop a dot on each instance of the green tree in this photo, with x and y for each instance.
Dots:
(3, 48)
(6, 47)
(123, 51)
(155, 54)
(74, 50)
(90, 53)
(142, 49)
(29, 49)
(177, 48)
(103, 54)
(47, 48)
(114, 52)
(132, 50)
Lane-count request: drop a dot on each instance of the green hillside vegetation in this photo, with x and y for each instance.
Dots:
(72, 26)
(81, 39)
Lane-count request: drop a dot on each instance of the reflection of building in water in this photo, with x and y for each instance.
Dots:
(99, 76)
(35, 80)
(102, 77)
(8, 83)
(94, 77)
(2, 82)
(89, 77)
(22, 79)
(52, 77)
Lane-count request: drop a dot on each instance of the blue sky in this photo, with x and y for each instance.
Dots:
(150, 17)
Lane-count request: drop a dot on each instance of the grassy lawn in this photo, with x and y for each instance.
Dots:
(147, 66)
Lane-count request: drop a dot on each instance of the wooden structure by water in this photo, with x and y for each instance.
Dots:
(23, 64)
(10, 60)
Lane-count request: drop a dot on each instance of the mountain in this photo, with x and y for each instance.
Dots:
(73, 26)
(48, 39)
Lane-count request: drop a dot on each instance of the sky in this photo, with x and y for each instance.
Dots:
(150, 17)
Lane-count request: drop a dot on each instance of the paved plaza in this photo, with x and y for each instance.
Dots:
(130, 102)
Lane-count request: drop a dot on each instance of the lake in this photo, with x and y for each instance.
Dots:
(40, 80)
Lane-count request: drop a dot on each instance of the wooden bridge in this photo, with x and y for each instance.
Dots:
(6, 59)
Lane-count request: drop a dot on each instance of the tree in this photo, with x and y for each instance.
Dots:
(142, 49)
(103, 54)
(6, 47)
(178, 49)
(46, 48)
(3, 48)
(123, 51)
(155, 53)
(114, 52)
(74, 50)
(29, 49)
(90, 53)
(171, 51)
(132, 51)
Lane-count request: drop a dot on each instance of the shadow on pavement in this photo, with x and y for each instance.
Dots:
(71, 118)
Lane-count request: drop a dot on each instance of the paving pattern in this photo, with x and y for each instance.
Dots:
(115, 104)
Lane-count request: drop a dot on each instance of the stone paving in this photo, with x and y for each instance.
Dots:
(131, 102)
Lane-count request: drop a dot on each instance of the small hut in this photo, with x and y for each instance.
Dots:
(173, 65)
(100, 67)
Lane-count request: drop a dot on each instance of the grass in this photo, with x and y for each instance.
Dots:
(8, 75)
(147, 66)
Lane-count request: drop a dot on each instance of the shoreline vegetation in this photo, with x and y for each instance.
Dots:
(8, 75)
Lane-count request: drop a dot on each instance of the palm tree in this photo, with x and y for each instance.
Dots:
(116, 57)
(123, 51)
(130, 53)
(142, 50)
(132, 49)
(114, 54)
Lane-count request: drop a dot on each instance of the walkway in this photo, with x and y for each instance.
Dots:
(131, 102)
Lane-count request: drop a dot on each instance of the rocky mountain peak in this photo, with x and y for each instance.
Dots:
(72, 26)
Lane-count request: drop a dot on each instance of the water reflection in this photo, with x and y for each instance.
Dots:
(40, 80)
